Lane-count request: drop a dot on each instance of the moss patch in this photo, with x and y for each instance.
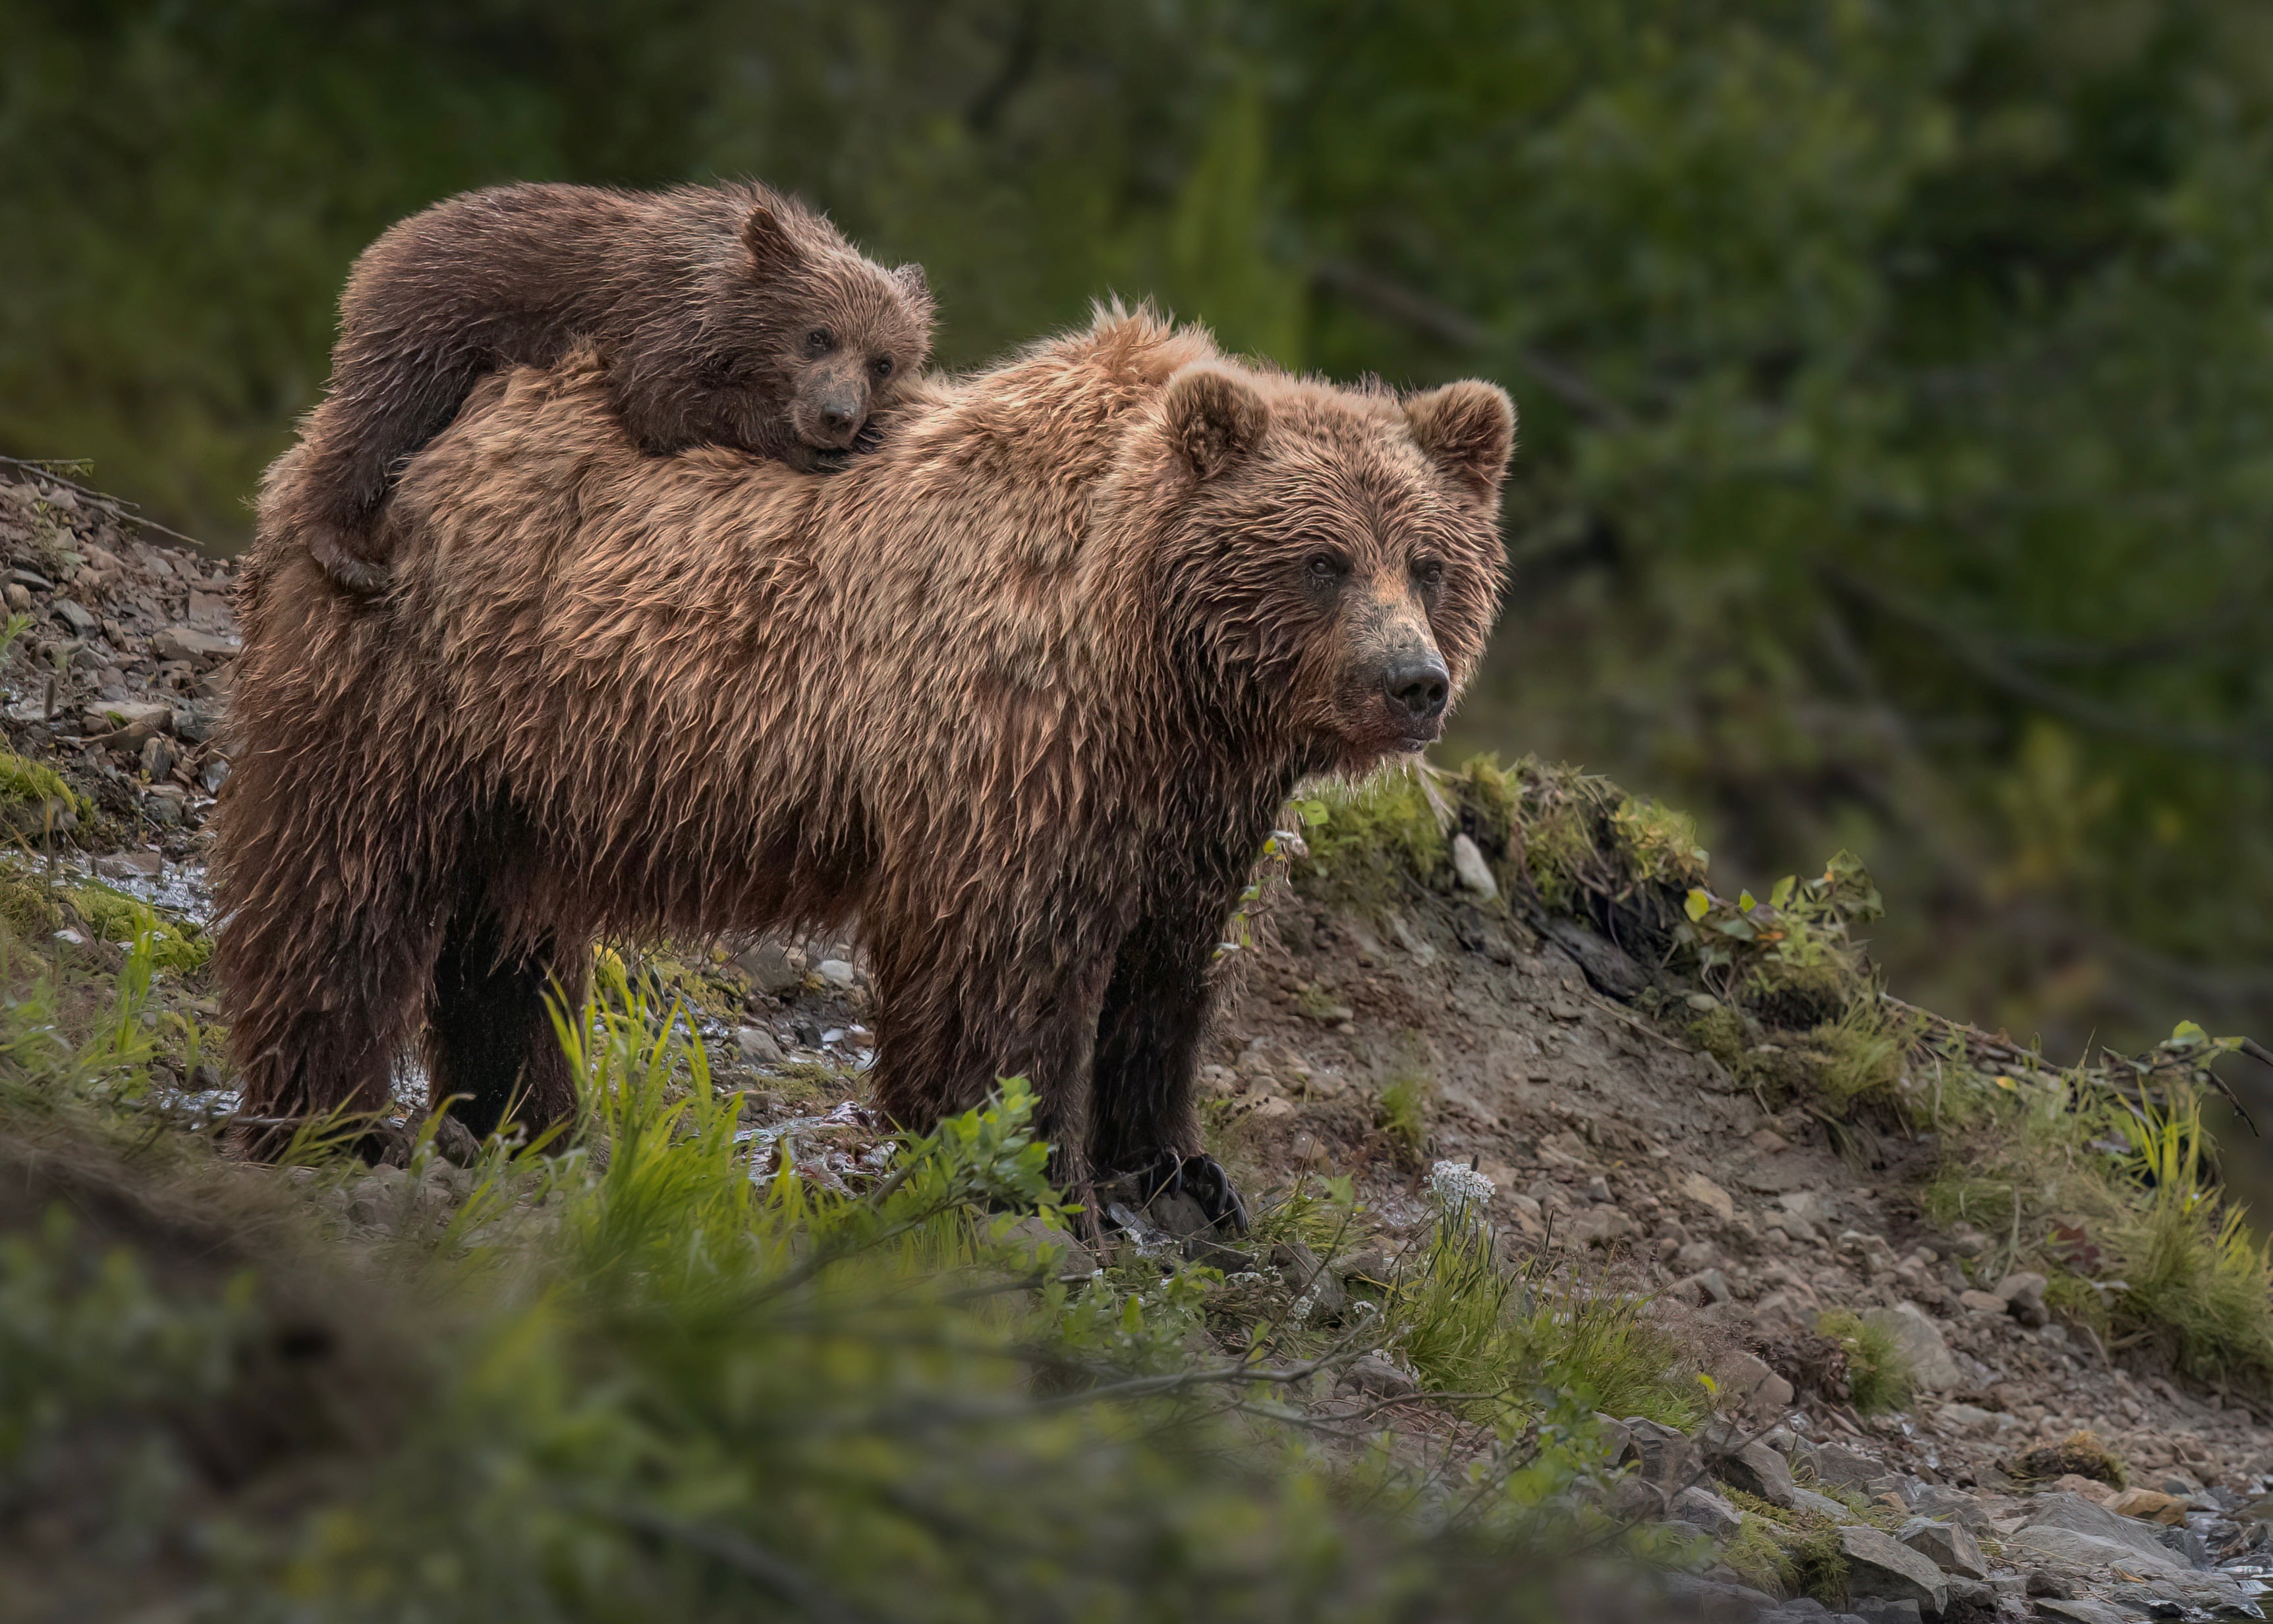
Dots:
(34, 799)
(114, 916)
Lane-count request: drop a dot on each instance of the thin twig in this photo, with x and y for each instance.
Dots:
(770, 1573)
(1976, 652)
(1411, 308)
(119, 506)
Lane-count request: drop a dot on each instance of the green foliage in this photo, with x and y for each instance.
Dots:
(1470, 1327)
(1877, 1376)
(1401, 1111)
(2115, 1202)
(2196, 1280)
(1799, 1549)
(1366, 838)
(1860, 1057)
(643, 1375)
(1756, 1556)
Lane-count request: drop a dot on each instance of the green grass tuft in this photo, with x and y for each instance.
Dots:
(1877, 1376)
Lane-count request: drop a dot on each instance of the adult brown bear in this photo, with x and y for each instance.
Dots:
(1021, 692)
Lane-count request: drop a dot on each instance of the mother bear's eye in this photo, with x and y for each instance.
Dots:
(1430, 572)
(819, 342)
(1324, 569)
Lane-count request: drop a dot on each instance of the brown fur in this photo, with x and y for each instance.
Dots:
(728, 315)
(1023, 691)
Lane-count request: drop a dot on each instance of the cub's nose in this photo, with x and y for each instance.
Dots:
(1418, 685)
(840, 419)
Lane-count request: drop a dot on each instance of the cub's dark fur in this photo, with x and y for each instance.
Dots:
(727, 315)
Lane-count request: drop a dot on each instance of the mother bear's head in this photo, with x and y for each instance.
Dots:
(1330, 557)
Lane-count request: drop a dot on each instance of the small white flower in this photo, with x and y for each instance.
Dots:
(1458, 1187)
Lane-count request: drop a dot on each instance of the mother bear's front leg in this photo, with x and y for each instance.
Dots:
(1144, 1124)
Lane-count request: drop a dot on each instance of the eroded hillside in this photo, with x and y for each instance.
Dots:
(1534, 1112)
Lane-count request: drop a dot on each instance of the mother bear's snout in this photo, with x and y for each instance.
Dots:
(1417, 685)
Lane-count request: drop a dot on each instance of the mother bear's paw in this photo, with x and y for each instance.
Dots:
(1185, 1195)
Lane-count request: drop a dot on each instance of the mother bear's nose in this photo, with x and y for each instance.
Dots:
(1418, 684)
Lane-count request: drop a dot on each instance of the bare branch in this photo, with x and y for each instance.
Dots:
(120, 508)
(1980, 656)
(1407, 307)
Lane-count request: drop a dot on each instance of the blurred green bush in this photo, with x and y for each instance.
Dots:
(1894, 378)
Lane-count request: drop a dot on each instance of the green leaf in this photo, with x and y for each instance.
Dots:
(1700, 903)
(1782, 894)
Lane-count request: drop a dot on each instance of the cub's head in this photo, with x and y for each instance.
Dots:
(840, 332)
(1332, 559)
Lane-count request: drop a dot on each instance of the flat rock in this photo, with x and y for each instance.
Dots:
(1665, 1453)
(139, 865)
(1949, 1547)
(1775, 1175)
(2089, 1488)
(2024, 1294)
(1746, 1380)
(2148, 1506)
(1754, 1468)
(1842, 1468)
(1697, 1187)
(2073, 1512)
(1829, 1509)
(142, 718)
(1949, 1505)
(2090, 1552)
(767, 964)
(1981, 1302)
(758, 1046)
(2083, 1610)
(1707, 1513)
(1913, 1331)
(1878, 1569)
(200, 649)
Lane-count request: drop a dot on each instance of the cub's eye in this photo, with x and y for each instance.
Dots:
(820, 342)
(1430, 572)
(1322, 569)
(881, 366)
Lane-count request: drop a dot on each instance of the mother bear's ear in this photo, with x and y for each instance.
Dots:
(1215, 417)
(1468, 428)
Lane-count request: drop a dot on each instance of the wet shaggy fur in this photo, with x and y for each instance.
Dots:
(729, 315)
(1023, 692)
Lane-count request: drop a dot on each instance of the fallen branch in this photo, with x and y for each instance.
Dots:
(118, 507)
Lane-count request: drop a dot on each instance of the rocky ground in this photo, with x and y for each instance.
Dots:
(1613, 1150)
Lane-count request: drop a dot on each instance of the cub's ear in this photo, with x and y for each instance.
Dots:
(767, 238)
(914, 286)
(1468, 428)
(1214, 416)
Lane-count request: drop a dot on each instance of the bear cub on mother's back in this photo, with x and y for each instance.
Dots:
(727, 315)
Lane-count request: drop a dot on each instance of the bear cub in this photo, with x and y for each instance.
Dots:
(727, 315)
